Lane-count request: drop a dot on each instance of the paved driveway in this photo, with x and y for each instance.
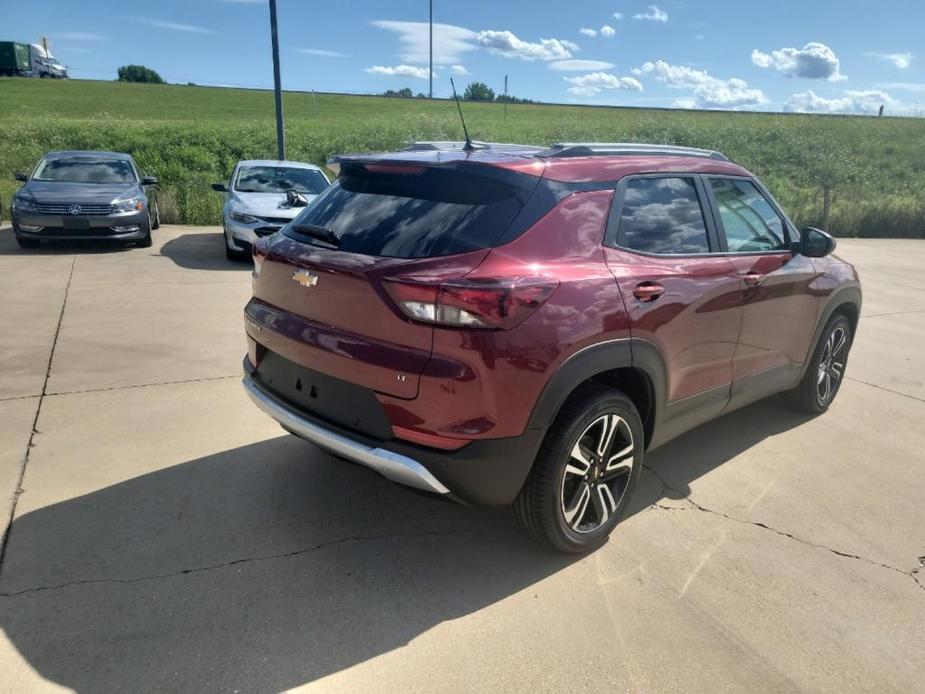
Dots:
(166, 535)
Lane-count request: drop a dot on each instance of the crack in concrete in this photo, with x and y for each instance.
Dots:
(5, 539)
(145, 385)
(888, 390)
(235, 562)
(758, 524)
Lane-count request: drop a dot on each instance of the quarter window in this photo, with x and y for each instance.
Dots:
(663, 216)
(750, 223)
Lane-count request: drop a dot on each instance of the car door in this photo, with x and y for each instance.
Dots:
(779, 307)
(681, 295)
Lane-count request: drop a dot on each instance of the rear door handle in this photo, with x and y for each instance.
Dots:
(648, 291)
(753, 279)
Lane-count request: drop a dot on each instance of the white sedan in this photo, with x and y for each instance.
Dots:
(262, 196)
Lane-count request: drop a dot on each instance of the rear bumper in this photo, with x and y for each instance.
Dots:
(394, 466)
(485, 472)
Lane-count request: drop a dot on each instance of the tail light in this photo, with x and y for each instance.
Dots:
(495, 303)
(259, 253)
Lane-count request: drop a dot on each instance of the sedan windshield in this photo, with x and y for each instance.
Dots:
(85, 170)
(276, 179)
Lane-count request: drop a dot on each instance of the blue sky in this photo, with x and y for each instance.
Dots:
(806, 55)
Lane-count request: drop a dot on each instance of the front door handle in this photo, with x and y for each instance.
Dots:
(648, 291)
(753, 279)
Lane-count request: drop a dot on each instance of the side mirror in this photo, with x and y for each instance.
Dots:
(815, 243)
(21, 176)
(220, 187)
(149, 180)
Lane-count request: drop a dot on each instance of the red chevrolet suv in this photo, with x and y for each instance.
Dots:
(509, 324)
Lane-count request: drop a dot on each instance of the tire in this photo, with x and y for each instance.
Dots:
(145, 241)
(156, 222)
(825, 372)
(553, 506)
(27, 243)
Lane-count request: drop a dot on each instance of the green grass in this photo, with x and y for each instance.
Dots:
(192, 136)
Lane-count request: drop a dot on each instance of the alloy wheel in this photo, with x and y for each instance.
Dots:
(831, 365)
(597, 473)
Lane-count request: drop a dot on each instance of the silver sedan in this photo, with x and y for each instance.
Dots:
(262, 196)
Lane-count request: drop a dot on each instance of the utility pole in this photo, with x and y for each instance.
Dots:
(280, 135)
(505, 97)
(431, 71)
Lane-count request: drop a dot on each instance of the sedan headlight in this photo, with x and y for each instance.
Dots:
(132, 205)
(243, 218)
(21, 204)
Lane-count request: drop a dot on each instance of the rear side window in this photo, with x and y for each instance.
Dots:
(662, 216)
(405, 211)
(749, 221)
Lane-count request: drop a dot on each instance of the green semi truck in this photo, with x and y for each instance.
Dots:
(28, 60)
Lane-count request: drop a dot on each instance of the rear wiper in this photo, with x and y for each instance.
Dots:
(317, 232)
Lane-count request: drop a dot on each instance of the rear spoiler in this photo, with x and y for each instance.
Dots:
(411, 153)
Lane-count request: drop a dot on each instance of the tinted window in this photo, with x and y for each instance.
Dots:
(663, 215)
(279, 179)
(85, 170)
(750, 223)
(416, 211)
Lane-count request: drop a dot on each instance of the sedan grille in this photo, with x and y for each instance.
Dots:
(276, 220)
(64, 208)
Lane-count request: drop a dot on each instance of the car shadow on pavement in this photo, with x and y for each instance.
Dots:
(271, 565)
(202, 251)
(670, 469)
(8, 246)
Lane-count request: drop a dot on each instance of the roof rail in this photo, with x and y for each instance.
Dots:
(452, 146)
(599, 149)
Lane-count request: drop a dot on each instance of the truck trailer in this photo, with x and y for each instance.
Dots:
(29, 60)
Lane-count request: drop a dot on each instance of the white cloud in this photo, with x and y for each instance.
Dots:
(709, 91)
(899, 60)
(323, 52)
(608, 31)
(685, 102)
(78, 36)
(587, 32)
(653, 15)
(813, 61)
(596, 82)
(618, 16)
(175, 26)
(450, 41)
(507, 44)
(579, 65)
(459, 69)
(420, 73)
(860, 102)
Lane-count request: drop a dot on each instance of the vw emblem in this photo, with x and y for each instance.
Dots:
(74, 209)
(305, 278)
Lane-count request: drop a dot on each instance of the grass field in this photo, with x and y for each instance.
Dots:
(192, 136)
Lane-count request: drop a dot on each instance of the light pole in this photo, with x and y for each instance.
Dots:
(431, 71)
(280, 135)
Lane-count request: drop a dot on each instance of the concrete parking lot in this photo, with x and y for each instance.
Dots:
(167, 536)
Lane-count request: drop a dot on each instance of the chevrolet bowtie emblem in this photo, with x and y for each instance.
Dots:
(305, 278)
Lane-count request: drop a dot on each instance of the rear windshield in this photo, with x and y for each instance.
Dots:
(85, 170)
(416, 212)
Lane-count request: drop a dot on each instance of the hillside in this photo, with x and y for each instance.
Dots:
(191, 136)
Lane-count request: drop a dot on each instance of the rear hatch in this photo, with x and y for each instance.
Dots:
(323, 296)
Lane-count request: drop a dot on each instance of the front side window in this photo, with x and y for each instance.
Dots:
(663, 216)
(279, 179)
(85, 170)
(750, 223)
